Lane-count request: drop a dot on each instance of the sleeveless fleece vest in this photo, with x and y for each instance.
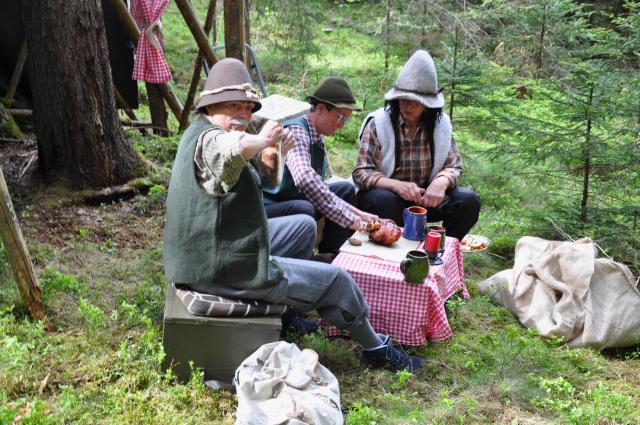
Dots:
(287, 189)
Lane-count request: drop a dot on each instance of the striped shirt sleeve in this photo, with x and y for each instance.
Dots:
(311, 184)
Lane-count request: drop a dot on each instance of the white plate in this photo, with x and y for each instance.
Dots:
(470, 241)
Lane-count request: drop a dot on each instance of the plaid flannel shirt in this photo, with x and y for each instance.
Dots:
(413, 161)
(309, 182)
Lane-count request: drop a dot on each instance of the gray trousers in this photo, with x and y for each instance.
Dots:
(307, 285)
(292, 236)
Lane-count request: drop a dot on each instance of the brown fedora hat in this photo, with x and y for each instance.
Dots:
(228, 81)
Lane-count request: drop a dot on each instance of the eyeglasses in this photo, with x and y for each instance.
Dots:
(342, 119)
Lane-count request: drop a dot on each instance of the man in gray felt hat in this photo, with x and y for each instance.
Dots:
(217, 238)
(307, 167)
(408, 156)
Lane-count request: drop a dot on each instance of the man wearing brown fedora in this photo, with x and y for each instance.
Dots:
(307, 166)
(217, 239)
(408, 156)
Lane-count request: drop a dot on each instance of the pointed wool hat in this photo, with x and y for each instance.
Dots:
(418, 81)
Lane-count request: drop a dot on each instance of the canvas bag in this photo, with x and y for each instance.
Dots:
(561, 288)
(280, 384)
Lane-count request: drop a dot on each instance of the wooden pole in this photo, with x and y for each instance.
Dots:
(132, 28)
(191, 18)
(234, 29)
(197, 68)
(18, 256)
(17, 72)
(126, 108)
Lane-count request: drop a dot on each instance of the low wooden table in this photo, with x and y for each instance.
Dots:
(411, 314)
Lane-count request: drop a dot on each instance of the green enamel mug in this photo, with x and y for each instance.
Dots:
(415, 266)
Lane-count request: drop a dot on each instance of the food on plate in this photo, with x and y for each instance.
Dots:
(472, 243)
(384, 232)
(355, 241)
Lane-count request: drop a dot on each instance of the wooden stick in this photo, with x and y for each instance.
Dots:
(197, 69)
(191, 18)
(8, 140)
(132, 28)
(17, 72)
(18, 256)
(126, 108)
(20, 112)
(143, 125)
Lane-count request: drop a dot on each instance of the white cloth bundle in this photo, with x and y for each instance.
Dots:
(279, 384)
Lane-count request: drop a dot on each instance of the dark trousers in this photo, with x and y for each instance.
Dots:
(333, 235)
(295, 206)
(458, 212)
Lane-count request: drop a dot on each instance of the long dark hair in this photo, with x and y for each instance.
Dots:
(429, 117)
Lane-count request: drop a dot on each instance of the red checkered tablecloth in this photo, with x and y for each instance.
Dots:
(411, 314)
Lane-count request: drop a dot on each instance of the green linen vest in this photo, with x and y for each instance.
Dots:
(287, 189)
(215, 240)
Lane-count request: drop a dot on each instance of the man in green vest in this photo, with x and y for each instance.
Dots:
(217, 238)
(307, 167)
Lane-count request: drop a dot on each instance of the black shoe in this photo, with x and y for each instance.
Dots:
(294, 320)
(324, 257)
(390, 357)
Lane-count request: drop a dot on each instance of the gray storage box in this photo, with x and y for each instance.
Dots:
(215, 344)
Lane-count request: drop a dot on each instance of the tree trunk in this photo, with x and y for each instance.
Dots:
(584, 204)
(247, 22)
(455, 74)
(157, 110)
(541, 43)
(234, 29)
(80, 138)
(388, 48)
(18, 256)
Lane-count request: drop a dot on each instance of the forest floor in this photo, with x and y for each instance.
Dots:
(101, 273)
(100, 269)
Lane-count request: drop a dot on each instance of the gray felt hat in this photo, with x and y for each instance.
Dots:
(418, 81)
(228, 81)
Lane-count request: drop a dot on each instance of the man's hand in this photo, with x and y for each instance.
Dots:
(368, 218)
(408, 191)
(287, 142)
(434, 195)
(271, 133)
(359, 225)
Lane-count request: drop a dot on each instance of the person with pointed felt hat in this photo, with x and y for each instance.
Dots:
(307, 167)
(407, 154)
(218, 240)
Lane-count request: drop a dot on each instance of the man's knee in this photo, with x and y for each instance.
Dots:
(344, 190)
(469, 199)
(305, 224)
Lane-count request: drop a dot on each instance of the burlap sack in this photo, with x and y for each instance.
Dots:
(562, 289)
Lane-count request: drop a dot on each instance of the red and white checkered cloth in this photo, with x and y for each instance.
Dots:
(150, 65)
(411, 314)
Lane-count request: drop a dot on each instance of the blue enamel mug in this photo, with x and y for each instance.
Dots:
(415, 220)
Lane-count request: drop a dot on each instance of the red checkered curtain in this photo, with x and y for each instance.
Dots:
(150, 64)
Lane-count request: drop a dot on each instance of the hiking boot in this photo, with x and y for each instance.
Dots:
(294, 320)
(390, 357)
